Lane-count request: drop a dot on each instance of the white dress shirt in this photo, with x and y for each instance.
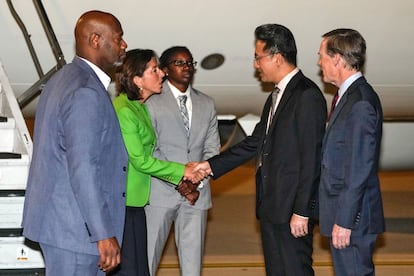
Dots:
(188, 103)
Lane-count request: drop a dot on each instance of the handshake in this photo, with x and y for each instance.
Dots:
(194, 173)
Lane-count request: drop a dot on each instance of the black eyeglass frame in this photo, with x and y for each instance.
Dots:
(182, 63)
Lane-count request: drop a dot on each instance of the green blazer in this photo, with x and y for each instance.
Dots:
(140, 141)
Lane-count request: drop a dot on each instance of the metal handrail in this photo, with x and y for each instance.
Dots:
(54, 43)
(26, 97)
(26, 36)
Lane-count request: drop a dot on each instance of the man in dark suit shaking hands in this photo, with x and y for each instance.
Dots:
(351, 211)
(287, 144)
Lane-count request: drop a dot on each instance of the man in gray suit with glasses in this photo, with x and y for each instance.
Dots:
(185, 123)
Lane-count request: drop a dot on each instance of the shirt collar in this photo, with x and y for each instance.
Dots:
(103, 77)
(347, 83)
(177, 92)
(284, 82)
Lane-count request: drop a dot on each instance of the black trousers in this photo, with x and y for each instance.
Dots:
(284, 254)
(134, 255)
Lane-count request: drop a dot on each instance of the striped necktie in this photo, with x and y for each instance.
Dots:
(184, 112)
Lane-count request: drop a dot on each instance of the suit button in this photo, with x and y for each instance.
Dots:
(124, 168)
(123, 194)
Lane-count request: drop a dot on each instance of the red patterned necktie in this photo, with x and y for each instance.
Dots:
(334, 100)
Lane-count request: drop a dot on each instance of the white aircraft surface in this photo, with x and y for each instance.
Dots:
(226, 28)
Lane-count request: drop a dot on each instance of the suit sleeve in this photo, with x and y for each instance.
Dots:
(133, 131)
(241, 152)
(212, 141)
(310, 127)
(84, 116)
(360, 156)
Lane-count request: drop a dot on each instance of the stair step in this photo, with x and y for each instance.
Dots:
(14, 172)
(7, 122)
(19, 253)
(10, 155)
(11, 211)
(7, 134)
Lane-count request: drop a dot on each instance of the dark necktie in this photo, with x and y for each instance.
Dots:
(334, 101)
(184, 112)
(271, 114)
(272, 110)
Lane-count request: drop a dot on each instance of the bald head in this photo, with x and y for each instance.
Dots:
(98, 37)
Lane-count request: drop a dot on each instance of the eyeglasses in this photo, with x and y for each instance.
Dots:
(182, 63)
(258, 58)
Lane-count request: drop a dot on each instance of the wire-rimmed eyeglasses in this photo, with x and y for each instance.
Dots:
(257, 58)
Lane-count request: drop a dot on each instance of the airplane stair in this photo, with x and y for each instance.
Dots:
(18, 255)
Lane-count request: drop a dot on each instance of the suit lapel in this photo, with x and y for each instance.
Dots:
(195, 116)
(287, 94)
(337, 110)
(343, 101)
(79, 62)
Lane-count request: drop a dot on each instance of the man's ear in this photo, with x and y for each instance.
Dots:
(278, 58)
(94, 40)
(337, 59)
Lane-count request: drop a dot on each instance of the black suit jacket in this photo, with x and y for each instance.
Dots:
(288, 182)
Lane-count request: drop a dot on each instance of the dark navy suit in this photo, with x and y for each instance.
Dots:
(349, 192)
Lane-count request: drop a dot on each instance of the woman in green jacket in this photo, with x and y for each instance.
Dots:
(140, 78)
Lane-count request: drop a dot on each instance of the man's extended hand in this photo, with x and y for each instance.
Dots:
(194, 173)
(203, 166)
(109, 254)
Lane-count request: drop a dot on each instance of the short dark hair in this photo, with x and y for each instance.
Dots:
(135, 64)
(278, 39)
(349, 44)
(165, 58)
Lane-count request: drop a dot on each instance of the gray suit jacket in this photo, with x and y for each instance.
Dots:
(76, 184)
(173, 144)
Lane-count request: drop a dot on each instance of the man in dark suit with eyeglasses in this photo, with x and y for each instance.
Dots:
(287, 144)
